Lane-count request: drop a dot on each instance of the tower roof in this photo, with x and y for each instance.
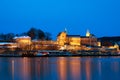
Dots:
(87, 33)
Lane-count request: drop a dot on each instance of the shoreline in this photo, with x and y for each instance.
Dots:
(55, 53)
(69, 55)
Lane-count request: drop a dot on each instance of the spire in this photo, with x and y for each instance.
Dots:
(65, 30)
(87, 33)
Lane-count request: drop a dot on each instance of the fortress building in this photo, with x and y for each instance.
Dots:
(75, 42)
(64, 42)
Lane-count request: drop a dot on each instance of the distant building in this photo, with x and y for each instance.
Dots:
(109, 41)
(76, 41)
(44, 44)
(73, 40)
(68, 41)
(23, 41)
(62, 38)
(89, 40)
(64, 42)
(8, 45)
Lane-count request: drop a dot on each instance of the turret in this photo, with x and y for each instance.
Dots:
(87, 33)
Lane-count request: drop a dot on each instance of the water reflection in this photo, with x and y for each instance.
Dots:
(60, 68)
(87, 69)
(12, 69)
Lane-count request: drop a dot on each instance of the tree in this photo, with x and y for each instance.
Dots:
(1, 36)
(36, 34)
(48, 36)
(9, 36)
(41, 34)
(23, 34)
(32, 33)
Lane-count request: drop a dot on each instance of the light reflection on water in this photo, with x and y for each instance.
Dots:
(60, 68)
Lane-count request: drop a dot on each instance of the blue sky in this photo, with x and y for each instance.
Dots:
(101, 17)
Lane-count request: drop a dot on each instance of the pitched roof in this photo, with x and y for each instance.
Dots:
(22, 37)
(84, 37)
(73, 35)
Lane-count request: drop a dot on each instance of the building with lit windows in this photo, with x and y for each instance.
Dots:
(75, 42)
(23, 41)
(64, 42)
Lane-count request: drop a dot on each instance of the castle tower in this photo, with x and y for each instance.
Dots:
(61, 38)
(87, 33)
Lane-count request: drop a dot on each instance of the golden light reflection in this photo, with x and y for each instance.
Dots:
(37, 67)
(26, 68)
(88, 67)
(62, 68)
(75, 68)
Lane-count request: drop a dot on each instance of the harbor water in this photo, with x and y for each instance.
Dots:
(60, 68)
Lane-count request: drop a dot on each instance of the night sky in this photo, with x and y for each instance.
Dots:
(101, 17)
